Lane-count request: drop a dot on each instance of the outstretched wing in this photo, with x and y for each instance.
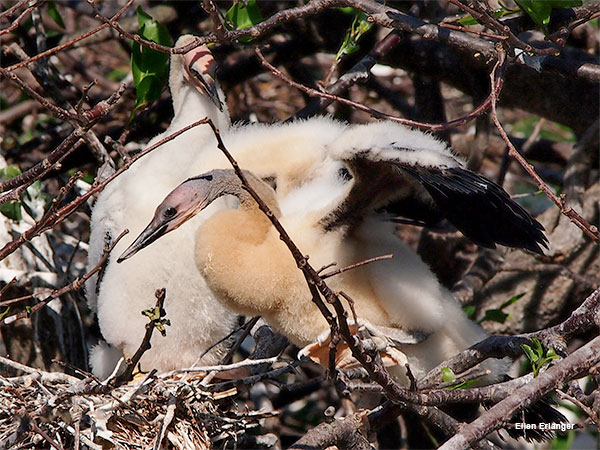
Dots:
(422, 181)
(480, 209)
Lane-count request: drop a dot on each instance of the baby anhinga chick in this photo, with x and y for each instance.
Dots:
(122, 292)
(251, 271)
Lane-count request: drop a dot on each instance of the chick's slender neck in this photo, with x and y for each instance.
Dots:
(241, 258)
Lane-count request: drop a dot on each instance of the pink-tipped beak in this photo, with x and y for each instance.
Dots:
(200, 70)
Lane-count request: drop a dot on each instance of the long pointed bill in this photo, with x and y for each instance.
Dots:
(200, 67)
(152, 232)
(183, 203)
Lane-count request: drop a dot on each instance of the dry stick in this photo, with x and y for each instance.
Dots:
(355, 265)
(44, 435)
(505, 164)
(388, 17)
(252, 379)
(589, 411)
(479, 12)
(13, 8)
(6, 287)
(221, 367)
(60, 47)
(247, 328)
(19, 19)
(467, 30)
(64, 212)
(348, 432)
(52, 377)
(234, 348)
(91, 117)
(360, 71)
(51, 162)
(145, 345)
(380, 14)
(59, 112)
(213, 11)
(576, 364)
(590, 230)
(296, 13)
(223, 339)
(378, 114)
(584, 318)
(74, 286)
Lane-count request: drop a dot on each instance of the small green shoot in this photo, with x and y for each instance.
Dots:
(448, 376)
(11, 209)
(360, 25)
(156, 315)
(537, 356)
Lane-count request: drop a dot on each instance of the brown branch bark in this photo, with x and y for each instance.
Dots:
(571, 367)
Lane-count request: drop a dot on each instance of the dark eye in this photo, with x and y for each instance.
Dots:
(271, 181)
(170, 212)
(344, 174)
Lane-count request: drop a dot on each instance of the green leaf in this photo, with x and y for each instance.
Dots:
(155, 314)
(152, 313)
(498, 315)
(242, 16)
(495, 315)
(54, 14)
(530, 353)
(563, 441)
(539, 10)
(9, 172)
(11, 209)
(536, 355)
(448, 375)
(561, 4)
(465, 384)
(468, 21)
(4, 313)
(469, 310)
(512, 300)
(116, 75)
(150, 68)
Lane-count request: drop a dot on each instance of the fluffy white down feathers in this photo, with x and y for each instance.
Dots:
(306, 159)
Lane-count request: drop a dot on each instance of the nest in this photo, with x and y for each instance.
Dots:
(42, 409)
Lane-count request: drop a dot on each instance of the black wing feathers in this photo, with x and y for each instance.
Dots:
(480, 208)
